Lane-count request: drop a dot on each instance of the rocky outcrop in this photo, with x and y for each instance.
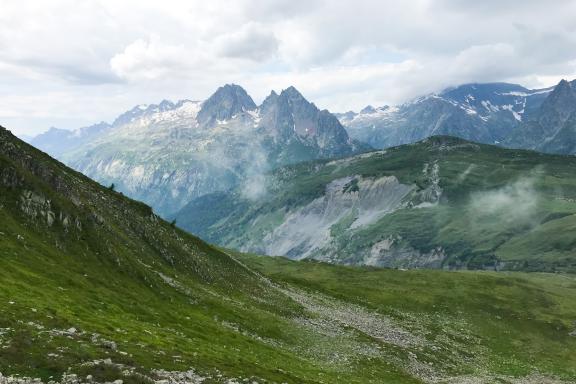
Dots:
(348, 204)
(393, 253)
(37, 207)
(228, 101)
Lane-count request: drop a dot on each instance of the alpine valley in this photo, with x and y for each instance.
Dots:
(285, 178)
(96, 288)
(381, 204)
(440, 203)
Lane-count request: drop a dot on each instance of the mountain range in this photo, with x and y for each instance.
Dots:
(170, 153)
(494, 113)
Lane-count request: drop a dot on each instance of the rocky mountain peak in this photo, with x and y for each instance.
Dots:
(227, 101)
(289, 117)
(559, 105)
(292, 93)
(166, 105)
(368, 109)
(269, 101)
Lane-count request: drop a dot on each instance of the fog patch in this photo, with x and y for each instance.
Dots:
(464, 175)
(254, 187)
(513, 203)
(254, 183)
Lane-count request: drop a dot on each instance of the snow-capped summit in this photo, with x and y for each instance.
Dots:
(480, 112)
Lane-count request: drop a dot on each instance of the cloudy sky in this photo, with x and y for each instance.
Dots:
(71, 63)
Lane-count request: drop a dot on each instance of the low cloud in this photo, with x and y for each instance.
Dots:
(515, 204)
(149, 59)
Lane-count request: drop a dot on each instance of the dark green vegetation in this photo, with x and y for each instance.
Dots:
(463, 205)
(87, 275)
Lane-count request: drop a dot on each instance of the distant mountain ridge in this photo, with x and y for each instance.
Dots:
(552, 128)
(170, 153)
(486, 113)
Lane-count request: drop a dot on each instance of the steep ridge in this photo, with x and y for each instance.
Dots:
(95, 288)
(552, 128)
(440, 203)
(168, 154)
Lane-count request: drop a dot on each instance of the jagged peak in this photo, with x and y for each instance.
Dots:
(143, 109)
(561, 90)
(228, 101)
(232, 91)
(288, 96)
(271, 97)
(368, 109)
(564, 85)
(292, 92)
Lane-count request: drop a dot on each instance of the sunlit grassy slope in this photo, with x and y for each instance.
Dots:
(93, 283)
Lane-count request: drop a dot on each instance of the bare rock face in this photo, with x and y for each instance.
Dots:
(348, 204)
(227, 102)
(37, 207)
(391, 252)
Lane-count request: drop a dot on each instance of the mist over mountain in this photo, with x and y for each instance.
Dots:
(171, 153)
(287, 192)
(440, 203)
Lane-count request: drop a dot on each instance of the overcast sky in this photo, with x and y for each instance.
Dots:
(71, 63)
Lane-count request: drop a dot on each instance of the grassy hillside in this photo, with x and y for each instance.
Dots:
(463, 205)
(507, 322)
(93, 284)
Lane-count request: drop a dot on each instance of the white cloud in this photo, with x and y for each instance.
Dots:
(251, 41)
(150, 59)
(72, 62)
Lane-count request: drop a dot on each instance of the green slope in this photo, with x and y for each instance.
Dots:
(468, 206)
(92, 283)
